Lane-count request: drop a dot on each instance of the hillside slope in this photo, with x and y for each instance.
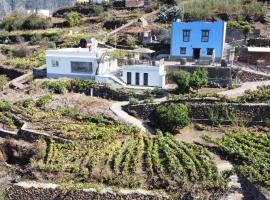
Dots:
(8, 6)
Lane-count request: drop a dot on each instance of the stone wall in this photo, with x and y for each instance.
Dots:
(30, 135)
(245, 76)
(22, 191)
(259, 42)
(234, 34)
(219, 75)
(200, 112)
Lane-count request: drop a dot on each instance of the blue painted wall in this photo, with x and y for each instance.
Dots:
(216, 38)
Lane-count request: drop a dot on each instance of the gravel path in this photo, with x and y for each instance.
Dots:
(245, 86)
(116, 108)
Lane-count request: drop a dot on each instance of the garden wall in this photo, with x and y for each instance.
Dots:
(30, 135)
(200, 112)
(51, 192)
(218, 75)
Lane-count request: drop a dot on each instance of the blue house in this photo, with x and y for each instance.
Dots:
(198, 40)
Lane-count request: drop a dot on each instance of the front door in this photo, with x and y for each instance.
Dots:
(196, 53)
(137, 78)
(145, 79)
(129, 78)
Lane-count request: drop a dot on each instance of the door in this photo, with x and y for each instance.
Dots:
(129, 78)
(145, 79)
(196, 53)
(137, 78)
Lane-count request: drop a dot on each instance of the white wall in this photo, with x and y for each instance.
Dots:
(64, 68)
(156, 75)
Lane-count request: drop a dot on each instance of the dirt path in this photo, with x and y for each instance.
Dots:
(245, 86)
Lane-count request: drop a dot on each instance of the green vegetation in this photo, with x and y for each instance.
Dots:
(32, 22)
(182, 79)
(199, 78)
(2, 193)
(5, 106)
(35, 60)
(3, 81)
(185, 80)
(261, 95)
(72, 19)
(132, 159)
(171, 117)
(42, 101)
(250, 153)
(205, 9)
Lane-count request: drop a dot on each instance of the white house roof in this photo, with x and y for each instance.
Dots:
(259, 49)
(77, 52)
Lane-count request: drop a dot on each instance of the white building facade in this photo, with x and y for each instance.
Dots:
(146, 75)
(81, 63)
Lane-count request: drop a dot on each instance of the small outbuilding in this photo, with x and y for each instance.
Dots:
(147, 74)
(255, 55)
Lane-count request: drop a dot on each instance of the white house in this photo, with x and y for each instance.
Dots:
(85, 63)
(145, 74)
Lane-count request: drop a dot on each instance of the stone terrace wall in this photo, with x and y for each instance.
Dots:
(259, 42)
(254, 113)
(18, 192)
(220, 75)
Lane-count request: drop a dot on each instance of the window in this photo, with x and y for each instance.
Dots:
(210, 51)
(145, 78)
(82, 67)
(205, 35)
(129, 78)
(55, 63)
(186, 35)
(137, 78)
(183, 50)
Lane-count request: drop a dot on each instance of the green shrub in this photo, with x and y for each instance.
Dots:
(5, 106)
(224, 63)
(27, 103)
(171, 117)
(35, 22)
(98, 9)
(42, 101)
(199, 78)
(2, 193)
(72, 19)
(3, 81)
(82, 85)
(57, 87)
(133, 101)
(182, 79)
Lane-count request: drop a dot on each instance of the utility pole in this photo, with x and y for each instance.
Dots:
(183, 12)
(115, 37)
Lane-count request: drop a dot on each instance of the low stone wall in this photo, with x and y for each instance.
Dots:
(30, 135)
(251, 77)
(200, 112)
(259, 42)
(37, 191)
(219, 75)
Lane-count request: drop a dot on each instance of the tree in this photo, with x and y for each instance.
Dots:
(171, 117)
(199, 78)
(182, 79)
(72, 19)
(247, 31)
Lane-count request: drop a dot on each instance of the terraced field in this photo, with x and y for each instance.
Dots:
(133, 159)
(250, 152)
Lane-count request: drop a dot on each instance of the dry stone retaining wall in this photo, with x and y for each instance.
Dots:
(253, 113)
(23, 191)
